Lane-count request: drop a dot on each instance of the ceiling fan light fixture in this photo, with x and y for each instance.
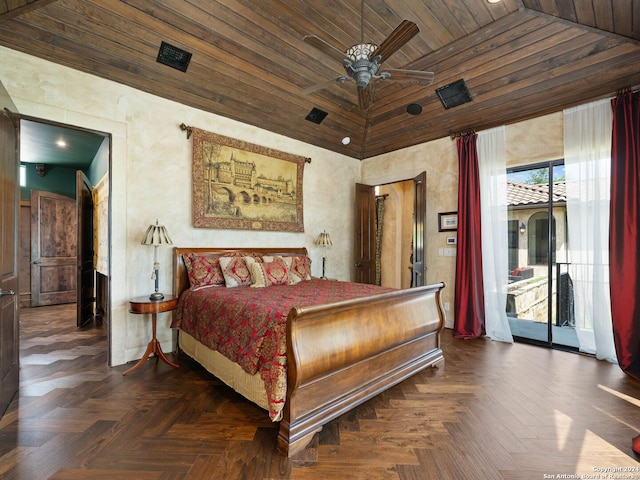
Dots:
(361, 51)
(358, 64)
(362, 60)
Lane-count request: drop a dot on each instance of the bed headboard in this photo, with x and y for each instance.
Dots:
(181, 278)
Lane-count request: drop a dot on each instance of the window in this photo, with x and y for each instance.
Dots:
(538, 229)
(23, 175)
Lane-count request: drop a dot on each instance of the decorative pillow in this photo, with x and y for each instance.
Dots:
(267, 274)
(299, 268)
(203, 271)
(254, 257)
(235, 271)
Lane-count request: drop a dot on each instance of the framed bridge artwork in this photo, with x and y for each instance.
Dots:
(242, 186)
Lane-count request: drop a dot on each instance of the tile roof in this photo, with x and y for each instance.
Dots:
(519, 194)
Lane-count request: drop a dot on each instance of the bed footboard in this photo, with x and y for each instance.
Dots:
(341, 354)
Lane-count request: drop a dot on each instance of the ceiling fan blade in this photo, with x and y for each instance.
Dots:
(394, 42)
(320, 86)
(325, 47)
(410, 76)
(364, 97)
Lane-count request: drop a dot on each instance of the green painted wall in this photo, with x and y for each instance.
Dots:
(100, 164)
(61, 180)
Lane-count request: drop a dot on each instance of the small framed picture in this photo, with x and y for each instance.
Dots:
(448, 221)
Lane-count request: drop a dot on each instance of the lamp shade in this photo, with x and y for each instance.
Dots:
(156, 235)
(324, 240)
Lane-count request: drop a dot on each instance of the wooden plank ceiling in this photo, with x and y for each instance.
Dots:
(519, 59)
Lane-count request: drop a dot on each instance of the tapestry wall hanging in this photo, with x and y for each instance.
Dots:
(242, 186)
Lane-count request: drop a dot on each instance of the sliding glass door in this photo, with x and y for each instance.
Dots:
(539, 295)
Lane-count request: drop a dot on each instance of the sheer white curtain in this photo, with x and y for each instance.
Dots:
(493, 207)
(587, 151)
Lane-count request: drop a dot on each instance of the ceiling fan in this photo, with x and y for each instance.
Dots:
(362, 61)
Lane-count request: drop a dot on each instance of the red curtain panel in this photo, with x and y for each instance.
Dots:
(624, 244)
(469, 288)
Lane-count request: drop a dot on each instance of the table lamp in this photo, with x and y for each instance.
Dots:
(324, 240)
(156, 235)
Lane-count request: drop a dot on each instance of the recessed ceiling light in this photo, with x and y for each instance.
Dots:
(61, 143)
(494, 1)
(346, 140)
(414, 109)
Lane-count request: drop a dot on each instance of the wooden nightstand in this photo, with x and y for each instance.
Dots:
(146, 305)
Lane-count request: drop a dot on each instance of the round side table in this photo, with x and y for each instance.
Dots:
(146, 305)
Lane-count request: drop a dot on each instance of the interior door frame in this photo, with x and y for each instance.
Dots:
(365, 222)
(419, 267)
(550, 244)
(106, 283)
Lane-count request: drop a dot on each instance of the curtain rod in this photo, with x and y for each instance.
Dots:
(189, 131)
(186, 128)
(462, 134)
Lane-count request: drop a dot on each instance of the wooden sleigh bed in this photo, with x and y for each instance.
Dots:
(338, 354)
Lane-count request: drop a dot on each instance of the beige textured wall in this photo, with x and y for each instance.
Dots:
(151, 179)
(533, 141)
(528, 142)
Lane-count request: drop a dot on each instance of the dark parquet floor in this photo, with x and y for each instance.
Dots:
(493, 411)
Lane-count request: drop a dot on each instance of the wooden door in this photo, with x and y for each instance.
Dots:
(86, 296)
(419, 220)
(365, 235)
(53, 249)
(9, 269)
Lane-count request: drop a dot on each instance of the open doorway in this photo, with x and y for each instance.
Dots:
(540, 292)
(63, 225)
(402, 221)
(396, 259)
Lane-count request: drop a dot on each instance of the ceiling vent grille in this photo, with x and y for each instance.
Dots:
(454, 94)
(316, 115)
(173, 57)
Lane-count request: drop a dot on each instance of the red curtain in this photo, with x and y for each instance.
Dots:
(469, 287)
(624, 243)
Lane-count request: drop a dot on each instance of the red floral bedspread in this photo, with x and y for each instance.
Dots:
(248, 325)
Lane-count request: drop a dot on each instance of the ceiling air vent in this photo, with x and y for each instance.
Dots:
(173, 57)
(316, 116)
(454, 94)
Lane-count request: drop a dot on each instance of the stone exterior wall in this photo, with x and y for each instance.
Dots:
(527, 300)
